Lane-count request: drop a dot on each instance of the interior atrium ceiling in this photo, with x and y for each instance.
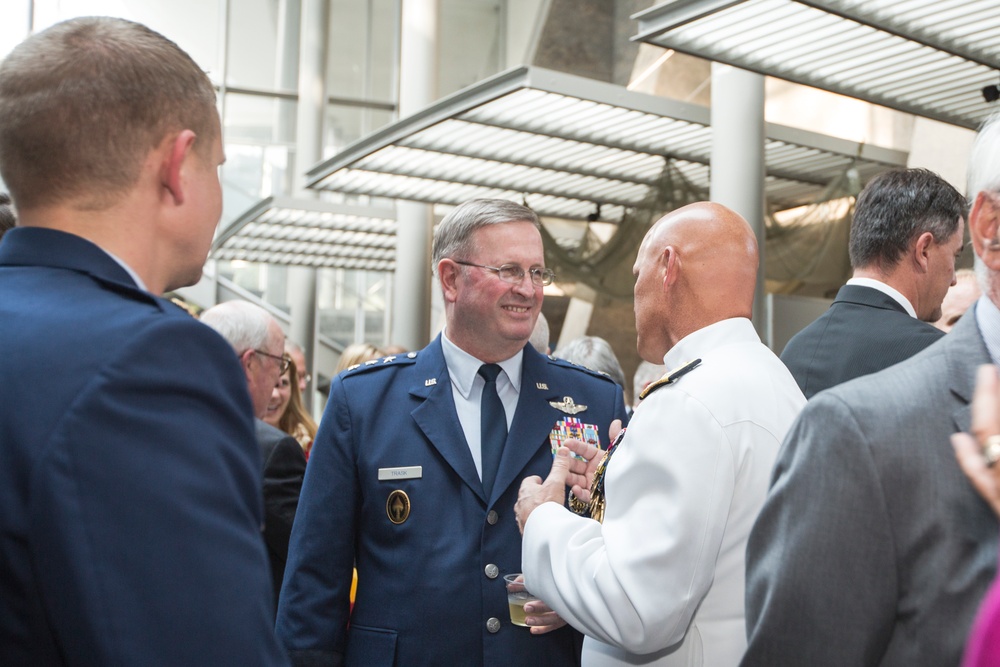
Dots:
(932, 58)
(571, 148)
(306, 232)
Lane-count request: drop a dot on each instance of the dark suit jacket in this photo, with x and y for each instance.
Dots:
(428, 586)
(863, 332)
(129, 481)
(284, 468)
(872, 547)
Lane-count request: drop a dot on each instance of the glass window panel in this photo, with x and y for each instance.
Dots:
(193, 24)
(470, 43)
(254, 56)
(362, 49)
(337, 303)
(347, 124)
(375, 306)
(242, 176)
(253, 118)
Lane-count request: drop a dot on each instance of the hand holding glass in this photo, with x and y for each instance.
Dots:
(517, 597)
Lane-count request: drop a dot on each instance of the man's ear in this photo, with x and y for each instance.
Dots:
(922, 249)
(247, 359)
(984, 225)
(177, 153)
(672, 263)
(448, 275)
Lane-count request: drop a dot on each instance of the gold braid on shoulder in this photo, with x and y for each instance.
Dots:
(595, 508)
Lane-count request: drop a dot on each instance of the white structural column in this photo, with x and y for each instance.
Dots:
(411, 292)
(738, 159)
(311, 111)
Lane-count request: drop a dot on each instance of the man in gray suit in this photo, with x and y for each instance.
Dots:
(872, 548)
(906, 234)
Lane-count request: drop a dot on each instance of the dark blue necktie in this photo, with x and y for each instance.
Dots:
(493, 426)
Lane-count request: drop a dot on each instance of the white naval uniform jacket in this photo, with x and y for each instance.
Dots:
(661, 581)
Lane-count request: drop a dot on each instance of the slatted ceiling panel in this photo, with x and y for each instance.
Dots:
(507, 145)
(928, 58)
(473, 171)
(562, 144)
(311, 233)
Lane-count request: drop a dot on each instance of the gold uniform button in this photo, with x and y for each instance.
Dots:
(493, 625)
(492, 517)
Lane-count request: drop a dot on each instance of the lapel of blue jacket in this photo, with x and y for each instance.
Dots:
(436, 415)
(533, 420)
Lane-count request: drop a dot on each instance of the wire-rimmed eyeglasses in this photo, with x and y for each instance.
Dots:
(512, 273)
(284, 360)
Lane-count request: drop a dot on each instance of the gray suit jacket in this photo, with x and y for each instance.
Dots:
(872, 547)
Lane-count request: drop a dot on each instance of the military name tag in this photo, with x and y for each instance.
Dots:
(409, 472)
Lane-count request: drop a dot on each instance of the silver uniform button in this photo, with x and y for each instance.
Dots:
(492, 517)
(492, 571)
(493, 624)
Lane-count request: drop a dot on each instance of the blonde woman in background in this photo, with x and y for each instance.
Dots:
(355, 354)
(286, 412)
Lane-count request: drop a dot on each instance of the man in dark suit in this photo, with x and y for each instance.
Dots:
(129, 482)
(260, 343)
(906, 234)
(416, 467)
(872, 548)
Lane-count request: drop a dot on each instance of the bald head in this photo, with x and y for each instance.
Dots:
(696, 266)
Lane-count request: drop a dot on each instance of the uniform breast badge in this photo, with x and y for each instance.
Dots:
(595, 508)
(397, 507)
(568, 405)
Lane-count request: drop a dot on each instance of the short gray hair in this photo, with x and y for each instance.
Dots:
(454, 234)
(241, 323)
(593, 353)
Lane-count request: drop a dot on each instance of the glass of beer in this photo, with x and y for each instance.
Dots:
(517, 596)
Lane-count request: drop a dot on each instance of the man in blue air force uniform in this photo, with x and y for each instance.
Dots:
(130, 501)
(410, 478)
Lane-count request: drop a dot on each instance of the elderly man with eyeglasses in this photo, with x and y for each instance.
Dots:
(416, 467)
(259, 343)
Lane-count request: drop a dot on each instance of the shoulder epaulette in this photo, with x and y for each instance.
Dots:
(569, 364)
(391, 360)
(669, 378)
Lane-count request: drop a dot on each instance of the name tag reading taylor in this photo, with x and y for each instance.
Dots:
(411, 472)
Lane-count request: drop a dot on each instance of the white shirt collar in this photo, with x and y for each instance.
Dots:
(128, 269)
(706, 339)
(463, 367)
(886, 289)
